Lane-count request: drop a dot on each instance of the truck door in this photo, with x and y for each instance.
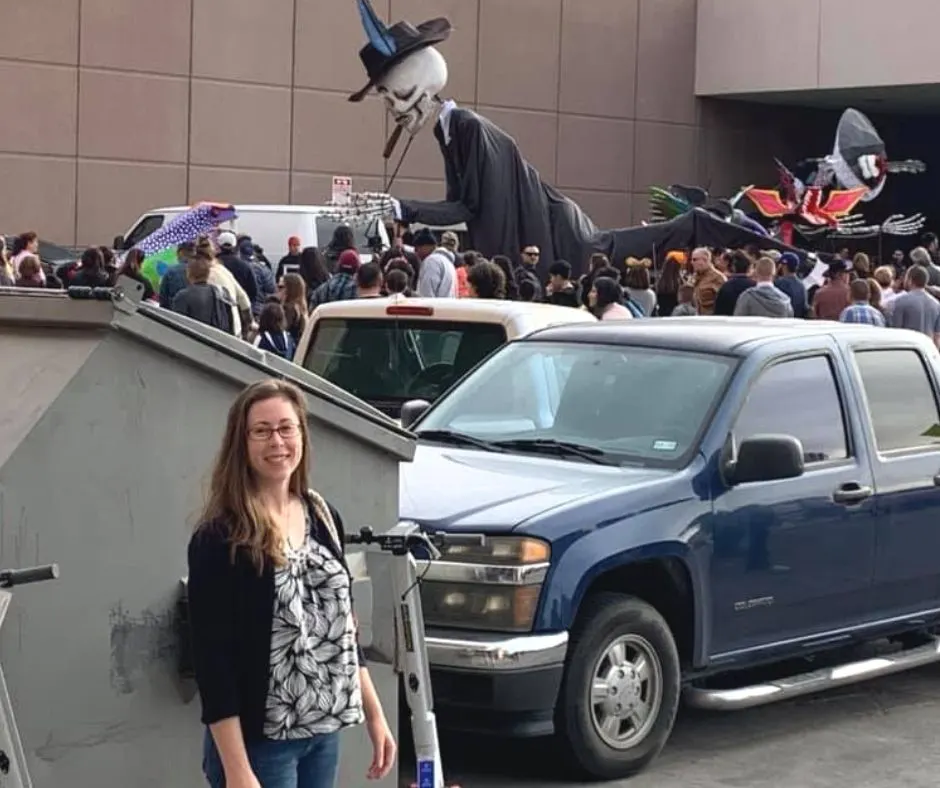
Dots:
(793, 557)
(901, 394)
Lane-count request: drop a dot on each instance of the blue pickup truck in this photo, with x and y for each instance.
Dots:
(669, 503)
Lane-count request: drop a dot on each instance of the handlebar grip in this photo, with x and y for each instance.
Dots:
(470, 540)
(33, 574)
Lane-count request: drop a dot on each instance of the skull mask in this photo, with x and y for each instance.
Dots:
(411, 87)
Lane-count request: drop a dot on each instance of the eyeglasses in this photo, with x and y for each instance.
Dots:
(265, 433)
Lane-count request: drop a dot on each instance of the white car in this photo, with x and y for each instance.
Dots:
(387, 351)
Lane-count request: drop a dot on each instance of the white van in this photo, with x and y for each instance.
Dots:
(268, 225)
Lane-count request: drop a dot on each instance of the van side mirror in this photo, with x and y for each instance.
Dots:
(766, 458)
(118, 242)
(413, 410)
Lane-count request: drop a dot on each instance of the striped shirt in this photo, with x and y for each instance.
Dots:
(862, 312)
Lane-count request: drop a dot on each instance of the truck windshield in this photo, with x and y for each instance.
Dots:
(635, 405)
(387, 362)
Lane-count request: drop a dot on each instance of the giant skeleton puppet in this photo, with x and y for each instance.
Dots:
(490, 186)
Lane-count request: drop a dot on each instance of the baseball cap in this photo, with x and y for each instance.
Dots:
(348, 261)
(227, 239)
(790, 259)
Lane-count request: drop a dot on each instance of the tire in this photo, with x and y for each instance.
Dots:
(623, 747)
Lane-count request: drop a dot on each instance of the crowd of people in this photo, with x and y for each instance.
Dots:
(230, 284)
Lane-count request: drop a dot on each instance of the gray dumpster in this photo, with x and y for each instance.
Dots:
(111, 414)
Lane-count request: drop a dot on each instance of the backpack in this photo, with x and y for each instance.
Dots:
(221, 311)
(284, 349)
(634, 307)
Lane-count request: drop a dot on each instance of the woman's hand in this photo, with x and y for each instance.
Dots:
(244, 778)
(383, 747)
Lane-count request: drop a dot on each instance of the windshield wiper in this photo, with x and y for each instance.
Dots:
(558, 448)
(459, 439)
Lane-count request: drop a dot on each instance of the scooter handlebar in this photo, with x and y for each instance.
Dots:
(33, 574)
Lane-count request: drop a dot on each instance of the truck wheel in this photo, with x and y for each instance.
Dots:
(621, 688)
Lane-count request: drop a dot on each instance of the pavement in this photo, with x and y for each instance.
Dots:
(871, 735)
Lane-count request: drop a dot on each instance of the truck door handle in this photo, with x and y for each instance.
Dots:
(851, 493)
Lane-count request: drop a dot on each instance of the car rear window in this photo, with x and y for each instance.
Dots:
(388, 362)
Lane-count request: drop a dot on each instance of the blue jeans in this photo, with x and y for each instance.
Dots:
(303, 763)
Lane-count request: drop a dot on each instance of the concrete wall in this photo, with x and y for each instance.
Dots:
(105, 480)
(749, 46)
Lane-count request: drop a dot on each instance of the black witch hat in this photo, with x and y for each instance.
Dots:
(388, 46)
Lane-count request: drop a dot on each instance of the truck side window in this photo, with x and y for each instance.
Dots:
(797, 398)
(147, 227)
(901, 399)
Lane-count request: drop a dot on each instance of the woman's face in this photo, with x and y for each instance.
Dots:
(275, 440)
(592, 297)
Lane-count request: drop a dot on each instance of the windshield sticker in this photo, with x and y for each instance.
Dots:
(664, 445)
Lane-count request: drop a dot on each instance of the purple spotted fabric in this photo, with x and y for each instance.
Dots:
(201, 220)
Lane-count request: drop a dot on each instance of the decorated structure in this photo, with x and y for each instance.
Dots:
(491, 188)
(855, 172)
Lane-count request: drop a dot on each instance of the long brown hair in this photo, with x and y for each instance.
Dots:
(232, 501)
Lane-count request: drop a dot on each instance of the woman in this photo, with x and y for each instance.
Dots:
(277, 661)
(91, 271)
(505, 265)
(637, 285)
(293, 294)
(312, 270)
(273, 336)
(668, 283)
(605, 299)
(131, 269)
(486, 280)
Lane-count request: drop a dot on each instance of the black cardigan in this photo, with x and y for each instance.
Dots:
(231, 609)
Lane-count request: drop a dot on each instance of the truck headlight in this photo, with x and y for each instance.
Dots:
(495, 586)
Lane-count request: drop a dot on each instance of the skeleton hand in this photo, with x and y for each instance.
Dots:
(869, 167)
(365, 207)
(898, 224)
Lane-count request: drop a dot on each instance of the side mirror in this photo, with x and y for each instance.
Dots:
(413, 410)
(766, 458)
(118, 242)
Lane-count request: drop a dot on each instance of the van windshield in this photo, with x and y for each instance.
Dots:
(388, 362)
(361, 230)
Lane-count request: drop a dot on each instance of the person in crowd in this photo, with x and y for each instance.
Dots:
(221, 277)
(739, 265)
(899, 262)
(527, 279)
(722, 258)
(686, 302)
(462, 264)
(561, 291)
(920, 256)
(369, 282)
(707, 280)
(109, 263)
(874, 295)
(397, 283)
(668, 283)
(24, 244)
(790, 283)
(486, 280)
(916, 309)
(341, 286)
(30, 273)
(885, 277)
(638, 286)
(203, 301)
(437, 277)
(505, 265)
(278, 665)
(861, 265)
(273, 336)
(312, 270)
(764, 299)
(861, 309)
(834, 295)
(91, 272)
(289, 263)
(131, 269)
(401, 264)
(174, 278)
(606, 298)
(293, 295)
(7, 272)
(229, 257)
(264, 277)
(343, 240)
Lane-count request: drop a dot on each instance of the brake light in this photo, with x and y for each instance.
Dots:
(404, 309)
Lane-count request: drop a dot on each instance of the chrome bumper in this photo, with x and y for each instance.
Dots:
(487, 652)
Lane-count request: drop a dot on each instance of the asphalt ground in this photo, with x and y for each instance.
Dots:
(871, 735)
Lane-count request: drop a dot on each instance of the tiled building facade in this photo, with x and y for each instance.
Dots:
(111, 107)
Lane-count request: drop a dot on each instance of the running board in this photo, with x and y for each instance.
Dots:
(814, 681)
